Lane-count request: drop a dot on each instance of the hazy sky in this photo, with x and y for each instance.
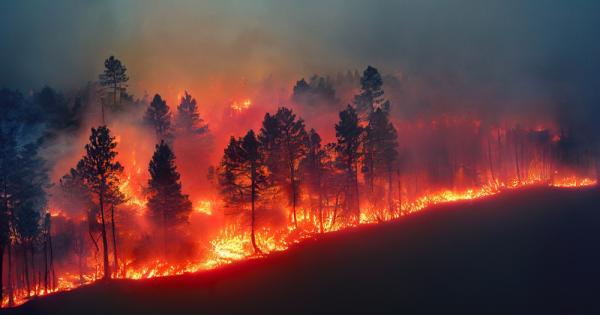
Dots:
(540, 49)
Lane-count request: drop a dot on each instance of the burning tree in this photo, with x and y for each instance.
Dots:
(283, 141)
(380, 155)
(158, 116)
(188, 119)
(243, 177)
(349, 132)
(167, 206)
(76, 197)
(30, 201)
(101, 172)
(312, 172)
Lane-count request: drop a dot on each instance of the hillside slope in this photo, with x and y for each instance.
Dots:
(532, 251)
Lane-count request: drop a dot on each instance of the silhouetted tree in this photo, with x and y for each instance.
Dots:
(114, 77)
(284, 138)
(188, 119)
(167, 206)
(29, 201)
(159, 117)
(76, 197)
(312, 170)
(318, 90)
(242, 177)
(371, 92)
(348, 133)
(101, 172)
(380, 152)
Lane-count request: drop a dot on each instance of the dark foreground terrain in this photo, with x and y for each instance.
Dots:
(534, 251)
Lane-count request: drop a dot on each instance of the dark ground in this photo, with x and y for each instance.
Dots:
(535, 251)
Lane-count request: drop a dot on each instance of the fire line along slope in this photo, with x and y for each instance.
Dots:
(530, 251)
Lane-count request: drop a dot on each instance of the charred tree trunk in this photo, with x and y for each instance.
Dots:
(390, 199)
(357, 198)
(320, 212)
(114, 239)
(46, 265)
(104, 238)
(51, 252)
(253, 215)
(26, 269)
(399, 192)
(33, 273)
(293, 186)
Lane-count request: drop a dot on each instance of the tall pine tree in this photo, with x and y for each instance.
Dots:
(114, 77)
(167, 206)
(371, 92)
(380, 157)
(242, 177)
(158, 116)
(283, 138)
(188, 121)
(348, 133)
(101, 173)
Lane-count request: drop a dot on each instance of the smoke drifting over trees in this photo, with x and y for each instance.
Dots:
(296, 144)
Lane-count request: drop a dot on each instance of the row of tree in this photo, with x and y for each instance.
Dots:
(285, 159)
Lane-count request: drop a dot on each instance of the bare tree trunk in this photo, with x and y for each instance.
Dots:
(390, 200)
(293, 183)
(26, 269)
(104, 239)
(320, 212)
(335, 209)
(399, 192)
(53, 283)
(356, 191)
(114, 239)
(46, 265)
(33, 273)
(253, 218)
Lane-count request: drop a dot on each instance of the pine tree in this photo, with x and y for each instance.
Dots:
(242, 177)
(114, 77)
(167, 206)
(30, 201)
(348, 133)
(101, 173)
(188, 119)
(158, 116)
(380, 156)
(312, 172)
(283, 139)
(371, 92)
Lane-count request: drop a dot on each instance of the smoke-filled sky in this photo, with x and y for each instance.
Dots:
(503, 52)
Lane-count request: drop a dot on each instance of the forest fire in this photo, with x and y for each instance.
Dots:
(126, 208)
